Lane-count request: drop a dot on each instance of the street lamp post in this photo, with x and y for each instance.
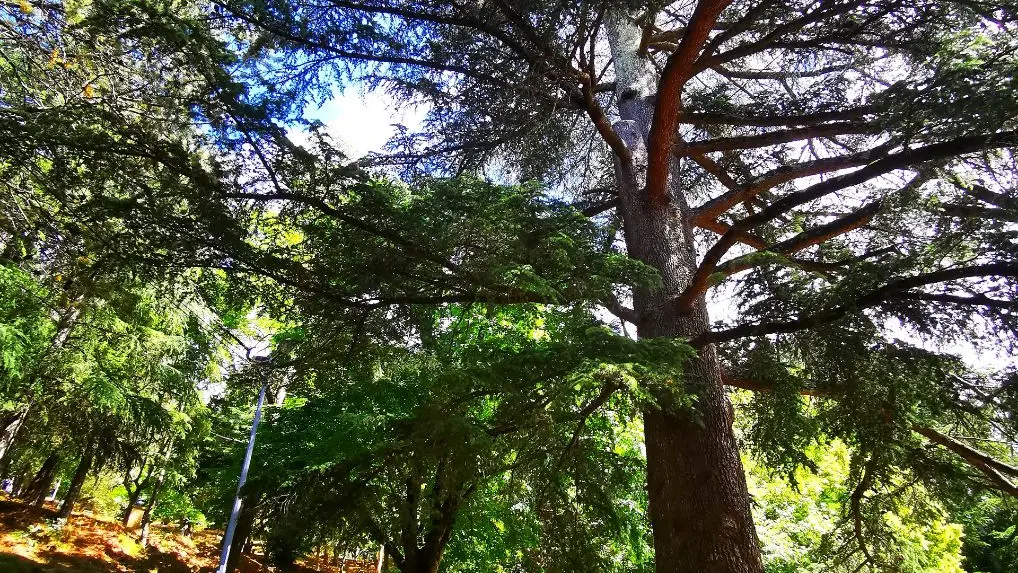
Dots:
(231, 527)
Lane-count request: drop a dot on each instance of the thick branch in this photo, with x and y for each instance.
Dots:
(601, 123)
(979, 212)
(704, 276)
(598, 208)
(777, 75)
(677, 72)
(974, 300)
(722, 228)
(822, 233)
(986, 196)
(717, 206)
(625, 313)
(712, 167)
(901, 160)
(970, 454)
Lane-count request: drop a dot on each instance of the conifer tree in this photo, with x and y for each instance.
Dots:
(836, 165)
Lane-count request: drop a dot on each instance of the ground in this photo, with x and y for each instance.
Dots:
(30, 542)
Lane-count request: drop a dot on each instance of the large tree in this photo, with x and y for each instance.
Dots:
(827, 167)
(837, 163)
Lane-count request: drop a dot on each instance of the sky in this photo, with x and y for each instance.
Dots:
(363, 121)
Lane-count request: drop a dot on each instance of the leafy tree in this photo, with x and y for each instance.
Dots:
(504, 415)
(835, 165)
(809, 172)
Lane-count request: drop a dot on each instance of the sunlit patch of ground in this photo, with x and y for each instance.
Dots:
(31, 542)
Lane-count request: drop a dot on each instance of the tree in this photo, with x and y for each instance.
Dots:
(510, 408)
(776, 146)
(780, 153)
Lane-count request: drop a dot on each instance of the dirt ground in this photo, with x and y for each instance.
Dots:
(31, 543)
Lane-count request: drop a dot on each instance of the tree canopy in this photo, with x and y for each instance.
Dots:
(672, 286)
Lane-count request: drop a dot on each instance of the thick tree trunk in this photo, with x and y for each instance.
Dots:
(420, 563)
(699, 504)
(74, 489)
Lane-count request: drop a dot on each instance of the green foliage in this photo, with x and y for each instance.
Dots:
(450, 392)
(25, 327)
(809, 527)
(514, 423)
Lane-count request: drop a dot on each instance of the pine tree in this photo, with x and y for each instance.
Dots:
(837, 164)
(810, 172)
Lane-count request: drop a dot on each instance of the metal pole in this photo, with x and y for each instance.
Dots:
(231, 528)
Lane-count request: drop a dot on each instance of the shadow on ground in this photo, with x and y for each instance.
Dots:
(32, 542)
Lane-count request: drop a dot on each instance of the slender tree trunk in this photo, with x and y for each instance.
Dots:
(36, 490)
(157, 488)
(146, 518)
(245, 523)
(12, 425)
(135, 487)
(699, 504)
(132, 500)
(74, 489)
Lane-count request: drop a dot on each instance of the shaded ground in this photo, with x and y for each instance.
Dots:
(30, 542)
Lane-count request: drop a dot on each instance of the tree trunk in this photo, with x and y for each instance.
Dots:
(146, 518)
(36, 490)
(245, 523)
(132, 500)
(421, 566)
(699, 503)
(56, 489)
(74, 489)
(12, 425)
(135, 486)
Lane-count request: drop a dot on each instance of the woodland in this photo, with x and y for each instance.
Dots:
(705, 286)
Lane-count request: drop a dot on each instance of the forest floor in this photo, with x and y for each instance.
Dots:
(31, 543)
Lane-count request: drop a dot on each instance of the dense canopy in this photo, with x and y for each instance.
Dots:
(700, 286)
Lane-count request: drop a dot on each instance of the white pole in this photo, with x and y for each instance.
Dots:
(231, 528)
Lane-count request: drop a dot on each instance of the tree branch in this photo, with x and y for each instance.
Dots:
(989, 466)
(625, 313)
(873, 298)
(698, 118)
(822, 233)
(719, 205)
(677, 72)
(775, 137)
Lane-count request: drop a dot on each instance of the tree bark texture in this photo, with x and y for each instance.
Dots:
(132, 500)
(37, 489)
(699, 503)
(74, 489)
(11, 426)
(245, 524)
